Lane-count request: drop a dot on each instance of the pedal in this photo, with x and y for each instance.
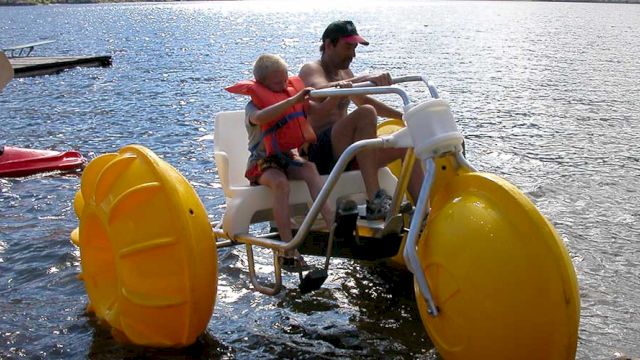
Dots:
(313, 280)
(393, 226)
(344, 228)
(405, 208)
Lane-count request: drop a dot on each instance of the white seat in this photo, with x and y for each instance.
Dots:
(251, 204)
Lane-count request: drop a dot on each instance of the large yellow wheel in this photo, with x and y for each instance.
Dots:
(148, 258)
(499, 273)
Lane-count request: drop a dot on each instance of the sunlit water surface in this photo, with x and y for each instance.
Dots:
(546, 94)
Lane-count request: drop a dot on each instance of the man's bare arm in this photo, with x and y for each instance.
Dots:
(313, 75)
(382, 109)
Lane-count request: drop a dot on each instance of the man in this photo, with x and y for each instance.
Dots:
(336, 129)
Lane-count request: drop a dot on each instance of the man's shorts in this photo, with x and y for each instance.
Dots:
(321, 153)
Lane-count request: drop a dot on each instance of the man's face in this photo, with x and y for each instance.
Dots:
(276, 80)
(342, 53)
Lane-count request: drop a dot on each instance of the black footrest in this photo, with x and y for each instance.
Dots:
(346, 220)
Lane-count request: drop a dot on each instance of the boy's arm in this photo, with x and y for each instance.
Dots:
(272, 112)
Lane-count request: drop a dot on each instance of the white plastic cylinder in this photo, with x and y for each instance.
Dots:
(433, 130)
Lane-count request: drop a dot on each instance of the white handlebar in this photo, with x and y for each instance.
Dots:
(361, 91)
(368, 87)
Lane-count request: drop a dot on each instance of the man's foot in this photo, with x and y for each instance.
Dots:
(378, 208)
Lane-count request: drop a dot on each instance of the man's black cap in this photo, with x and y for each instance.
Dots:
(345, 30)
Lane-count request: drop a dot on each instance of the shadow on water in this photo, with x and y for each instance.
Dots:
(366, 310)
(105, 346)
(386, 299)
(381, 317)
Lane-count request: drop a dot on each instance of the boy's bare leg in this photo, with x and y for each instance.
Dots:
(277, 181)
(360, 124)
(309, 173)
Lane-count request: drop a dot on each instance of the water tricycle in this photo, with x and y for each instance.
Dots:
(492, 277)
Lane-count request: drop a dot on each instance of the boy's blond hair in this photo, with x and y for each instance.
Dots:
(265, 64)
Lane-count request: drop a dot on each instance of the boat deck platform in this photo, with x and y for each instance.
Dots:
(26, 66)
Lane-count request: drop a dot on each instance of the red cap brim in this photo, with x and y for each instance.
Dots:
(355, 39)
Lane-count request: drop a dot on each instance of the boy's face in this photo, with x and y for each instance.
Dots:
(276, 80)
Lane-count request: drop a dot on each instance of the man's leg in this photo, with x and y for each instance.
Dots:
(385, 156)
(359, 125)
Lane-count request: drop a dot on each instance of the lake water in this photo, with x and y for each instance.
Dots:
(546, 94)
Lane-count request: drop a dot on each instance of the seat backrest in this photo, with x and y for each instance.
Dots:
(230, 137)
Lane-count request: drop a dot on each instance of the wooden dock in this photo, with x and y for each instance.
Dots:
(26, 66)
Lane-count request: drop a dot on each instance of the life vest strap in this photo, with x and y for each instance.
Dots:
(275, 127)
(282, 122)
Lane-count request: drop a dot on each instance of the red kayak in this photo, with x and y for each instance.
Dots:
(16, 161)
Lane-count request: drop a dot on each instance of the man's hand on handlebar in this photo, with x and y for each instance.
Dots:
(383, 79)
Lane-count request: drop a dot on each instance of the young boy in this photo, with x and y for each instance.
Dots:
(274, 171)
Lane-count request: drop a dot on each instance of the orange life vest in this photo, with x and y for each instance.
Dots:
(292, 129)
